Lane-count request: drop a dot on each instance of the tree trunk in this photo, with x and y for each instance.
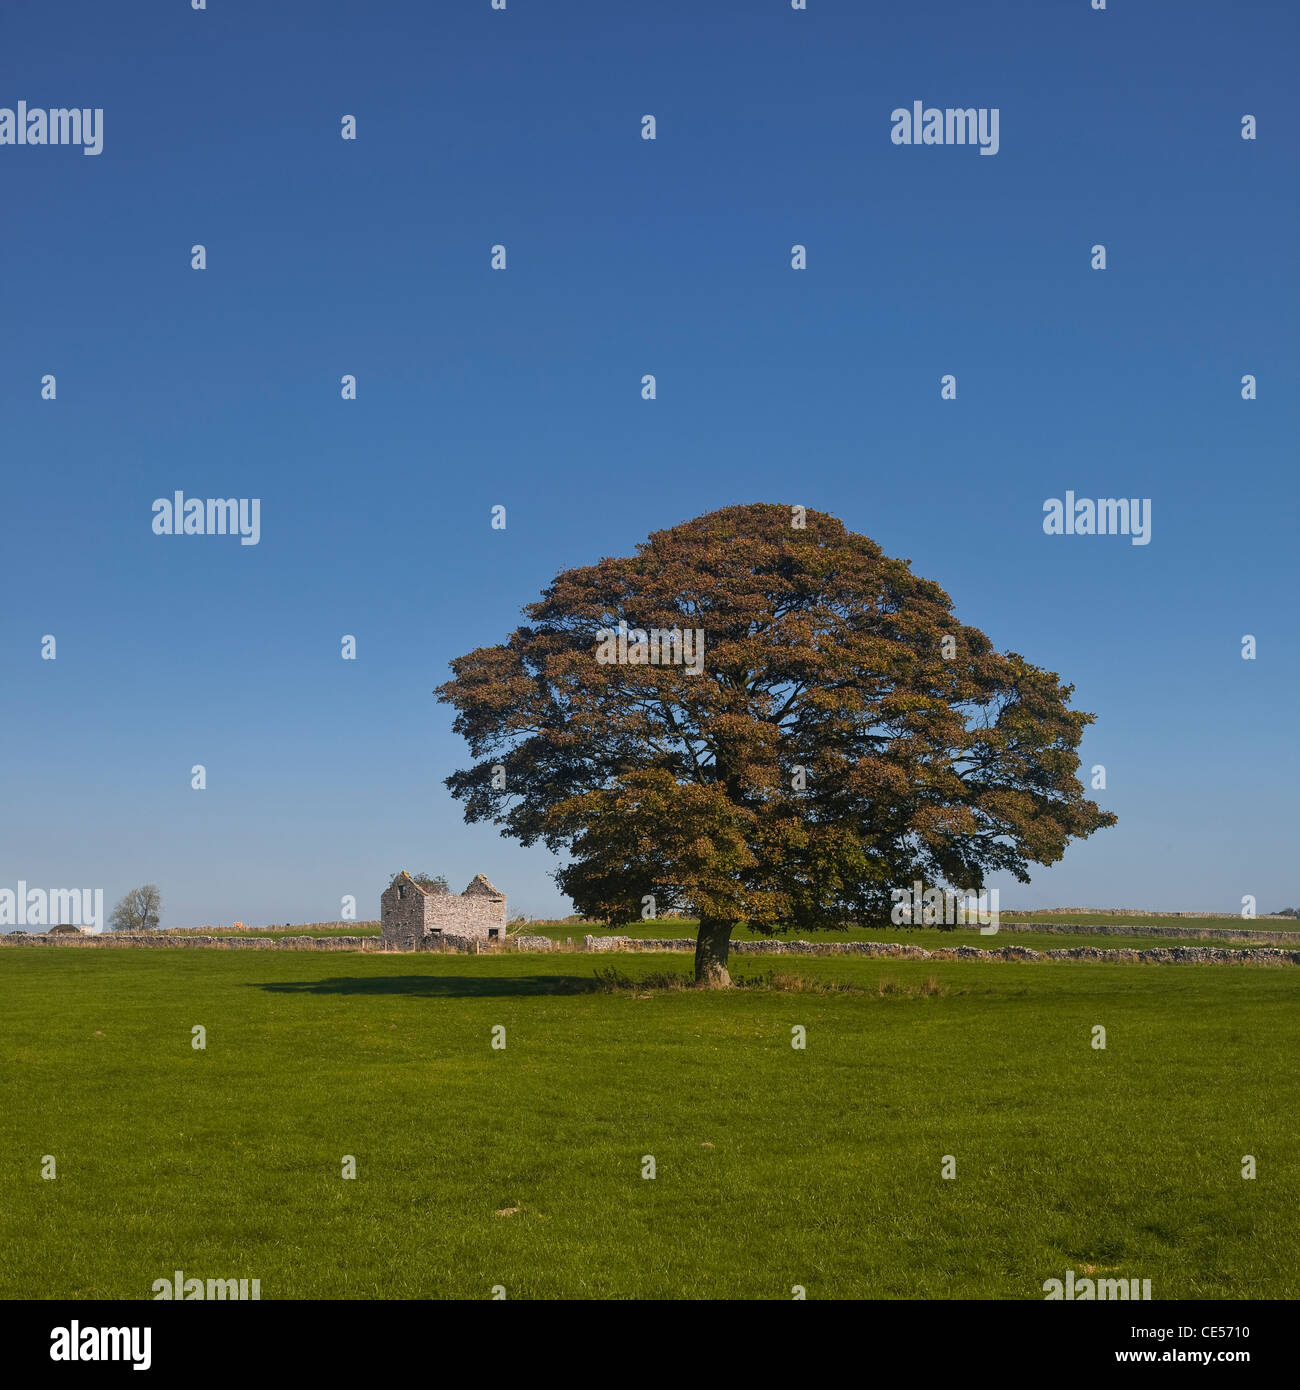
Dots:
(712, 947)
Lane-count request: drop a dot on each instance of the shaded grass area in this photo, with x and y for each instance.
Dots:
(775, 1166)
(611, 980)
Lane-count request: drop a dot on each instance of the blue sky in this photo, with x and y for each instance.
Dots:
(522, 388)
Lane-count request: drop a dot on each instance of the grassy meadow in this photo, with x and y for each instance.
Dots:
(522, 1166)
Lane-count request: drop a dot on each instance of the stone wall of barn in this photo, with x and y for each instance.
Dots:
(409, 917)
(402, 915)
(463, 914)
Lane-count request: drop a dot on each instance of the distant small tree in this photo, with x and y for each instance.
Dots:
(431, 883)
(139, 910)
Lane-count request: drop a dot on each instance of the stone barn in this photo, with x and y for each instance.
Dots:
(412, 917)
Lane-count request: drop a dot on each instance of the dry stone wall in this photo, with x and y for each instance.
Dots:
(1158, 955)
(231, 943)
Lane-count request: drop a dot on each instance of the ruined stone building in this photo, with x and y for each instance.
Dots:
(412, 917)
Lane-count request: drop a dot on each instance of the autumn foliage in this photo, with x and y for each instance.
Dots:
(846, 736)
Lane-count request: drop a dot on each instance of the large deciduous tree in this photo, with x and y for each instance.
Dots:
(845, 735)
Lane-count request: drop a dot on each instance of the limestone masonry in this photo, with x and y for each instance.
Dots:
(1160, 955)
(415, 918)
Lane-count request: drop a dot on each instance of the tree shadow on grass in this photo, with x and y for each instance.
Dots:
(436, 986)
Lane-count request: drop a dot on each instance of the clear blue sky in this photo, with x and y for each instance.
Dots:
(522, 388)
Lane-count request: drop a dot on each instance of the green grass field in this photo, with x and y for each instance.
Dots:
(1153, 919)
(775, 1166)
(310, 929)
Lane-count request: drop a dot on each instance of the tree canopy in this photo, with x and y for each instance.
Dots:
(840, 733)
(138, 910)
